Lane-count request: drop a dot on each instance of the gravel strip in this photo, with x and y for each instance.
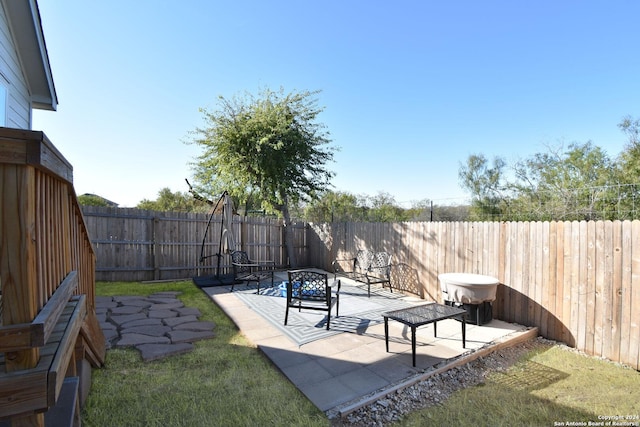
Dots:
(438, 388)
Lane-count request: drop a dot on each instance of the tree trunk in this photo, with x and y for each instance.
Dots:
(288, 234)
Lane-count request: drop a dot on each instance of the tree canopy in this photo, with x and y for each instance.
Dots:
(175, 202)
(342, 206)
(94, 200)
(270, 145)
(574, 182)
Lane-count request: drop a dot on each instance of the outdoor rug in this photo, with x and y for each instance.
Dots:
(357, 311)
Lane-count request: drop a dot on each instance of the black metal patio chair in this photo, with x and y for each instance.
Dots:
(248, 270)
(379, 271)
(311, 290)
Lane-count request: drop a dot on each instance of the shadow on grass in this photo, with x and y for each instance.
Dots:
(529, 376)
(506, 399)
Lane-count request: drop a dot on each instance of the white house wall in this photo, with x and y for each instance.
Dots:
(18, 107)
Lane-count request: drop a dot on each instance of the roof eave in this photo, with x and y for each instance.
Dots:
(26, 30)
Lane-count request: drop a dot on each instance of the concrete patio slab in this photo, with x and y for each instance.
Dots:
(343, 372)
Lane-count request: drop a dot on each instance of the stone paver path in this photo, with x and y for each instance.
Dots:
(158, 325)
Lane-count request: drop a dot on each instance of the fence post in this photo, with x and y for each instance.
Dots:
(155, 248)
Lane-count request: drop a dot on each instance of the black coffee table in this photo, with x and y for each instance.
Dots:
(423, 315)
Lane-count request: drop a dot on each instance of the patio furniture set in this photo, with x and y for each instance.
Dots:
(310, 290)
(372, 268)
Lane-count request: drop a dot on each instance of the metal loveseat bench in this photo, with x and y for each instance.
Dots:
(367, 267)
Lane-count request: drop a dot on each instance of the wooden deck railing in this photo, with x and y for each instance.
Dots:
(46, 257)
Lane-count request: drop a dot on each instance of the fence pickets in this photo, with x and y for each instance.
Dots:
(141, 245)
(578, 282)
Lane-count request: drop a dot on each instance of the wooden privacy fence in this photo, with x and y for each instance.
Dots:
(143, 245)
(578, 282)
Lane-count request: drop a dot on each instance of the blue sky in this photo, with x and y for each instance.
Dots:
(410, 88)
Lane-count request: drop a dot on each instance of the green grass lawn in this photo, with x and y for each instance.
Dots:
(550, 386)
(227, 381)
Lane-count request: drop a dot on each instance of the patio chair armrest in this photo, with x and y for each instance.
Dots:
(335, 264)
(263, 262)
(380, 269)
(254, 264)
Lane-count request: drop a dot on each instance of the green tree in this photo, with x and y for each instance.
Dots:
(631, 127)
(560, 184)
(485, 181)
(271, 145)
(628, 168)
(346, 207)
(94, 200)
(459, 212)
(563, 184)
(169, 201)
(384, 208)
(333, 206)
(421, 210)
(629, 159)
(426, 210)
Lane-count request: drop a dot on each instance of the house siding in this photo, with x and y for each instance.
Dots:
(18, 106)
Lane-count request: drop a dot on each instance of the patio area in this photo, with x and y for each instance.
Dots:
(348, 368)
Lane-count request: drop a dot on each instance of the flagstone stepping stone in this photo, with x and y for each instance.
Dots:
(164, 300)
(143, 303)
(151, 352)
(189, 336)
(166, 306)
(126, 309)
(188, 311)
(122, 319)
(128, 340)
(109, 336)
(141, 322)
(162, 314)
(153, 330)
(157, 326)
(194, 326)
(128, 299)
(108, 326)
(105, 302)
(173, 321)
(105, 306)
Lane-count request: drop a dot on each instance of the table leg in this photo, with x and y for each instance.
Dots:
(413, 344)
(386, 332)
(464, 332)
(435, 329)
